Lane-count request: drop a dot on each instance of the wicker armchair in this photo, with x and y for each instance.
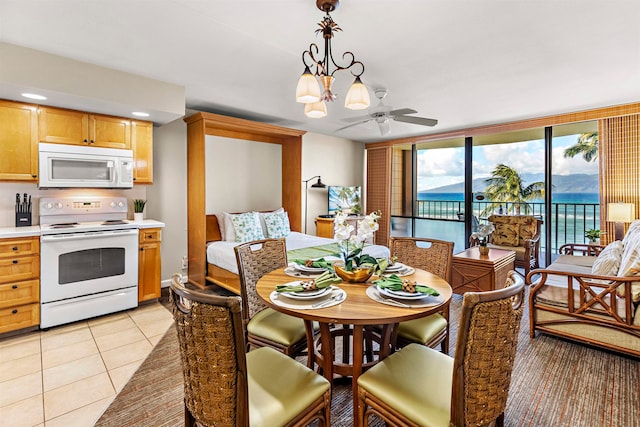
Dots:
(223, 385)
(408, 387)
(435, 257)
(265, 326)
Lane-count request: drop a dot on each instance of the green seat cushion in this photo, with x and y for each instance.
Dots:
(422, 330)
(416, 381)
(277, 327)
(279, 387)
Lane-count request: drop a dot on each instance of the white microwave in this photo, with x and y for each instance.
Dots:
(77, 166)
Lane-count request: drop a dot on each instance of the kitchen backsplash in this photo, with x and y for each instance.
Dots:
(8, 192)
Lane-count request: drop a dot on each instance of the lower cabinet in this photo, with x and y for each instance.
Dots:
(149, 264)
(19, 283)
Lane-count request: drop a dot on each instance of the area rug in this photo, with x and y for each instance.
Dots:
(554, 383)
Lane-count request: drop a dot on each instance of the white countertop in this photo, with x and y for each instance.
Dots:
(34, 230)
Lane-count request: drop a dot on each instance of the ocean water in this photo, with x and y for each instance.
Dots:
(576, 198)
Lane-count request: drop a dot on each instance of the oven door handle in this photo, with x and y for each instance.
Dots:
(88, 235)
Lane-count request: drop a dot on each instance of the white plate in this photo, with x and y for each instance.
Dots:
(316, 293)
(401, 294)
(308, 269)
(397, 266)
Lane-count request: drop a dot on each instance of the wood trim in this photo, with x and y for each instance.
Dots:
(199, 126)
(554, 120)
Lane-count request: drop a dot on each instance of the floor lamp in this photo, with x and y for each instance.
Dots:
(317, 184)
(620, 213)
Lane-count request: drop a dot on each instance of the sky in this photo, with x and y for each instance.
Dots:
(439, 167)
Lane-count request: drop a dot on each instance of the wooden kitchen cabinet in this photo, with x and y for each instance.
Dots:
(149, 264)
(19, 283)
(142, 145)
(60, 126)
(18, 142)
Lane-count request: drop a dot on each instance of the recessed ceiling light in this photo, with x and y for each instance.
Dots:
(140, 114)
(34, 96)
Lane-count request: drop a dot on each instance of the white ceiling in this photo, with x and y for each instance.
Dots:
(463, 62)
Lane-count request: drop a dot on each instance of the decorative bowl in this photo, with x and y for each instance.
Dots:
(357, 275)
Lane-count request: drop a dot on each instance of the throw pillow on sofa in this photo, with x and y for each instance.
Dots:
(505, 234)
(608, 262)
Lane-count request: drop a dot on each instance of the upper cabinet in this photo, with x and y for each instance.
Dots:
(142, 145)
(59, 126)
(18, 142)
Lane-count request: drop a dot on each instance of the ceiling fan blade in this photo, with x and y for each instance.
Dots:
(402, 111)
(357, 119)
(354, 124)
(417, 120)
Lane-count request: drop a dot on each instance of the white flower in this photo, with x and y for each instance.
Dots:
(484, 231)
(350, 243)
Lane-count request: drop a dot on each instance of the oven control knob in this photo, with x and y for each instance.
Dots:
(112, 204)
(58, 205)
(48, 205)
(121, 204)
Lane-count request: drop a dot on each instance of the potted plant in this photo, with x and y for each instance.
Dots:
(138, 208)
(482, 237)
(593, 235)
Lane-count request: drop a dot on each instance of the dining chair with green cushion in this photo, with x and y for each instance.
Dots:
(419, 386)
(435, 257)
(224, 385)
(265, 326)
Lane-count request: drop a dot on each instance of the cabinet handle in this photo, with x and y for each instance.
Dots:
(14, 311)
(15, 261)
(34, 176)
(14, 287)
(92, 141)
(86, 140)
(149, 236)
(141, 249)
(15, 248)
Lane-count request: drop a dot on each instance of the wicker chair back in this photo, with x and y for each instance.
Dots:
(431, 255)
(212, 349)
(485, 352)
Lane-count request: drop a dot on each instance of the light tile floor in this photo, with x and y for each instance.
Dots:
(68, 375)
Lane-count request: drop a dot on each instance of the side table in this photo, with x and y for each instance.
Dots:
(473, 272)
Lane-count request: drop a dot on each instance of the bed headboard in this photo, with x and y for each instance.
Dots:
(213, 229)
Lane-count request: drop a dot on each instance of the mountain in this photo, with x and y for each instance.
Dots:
(576, 183)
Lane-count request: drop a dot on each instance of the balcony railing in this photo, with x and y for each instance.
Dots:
(569, 221)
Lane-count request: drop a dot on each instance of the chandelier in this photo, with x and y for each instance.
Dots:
(324, 67)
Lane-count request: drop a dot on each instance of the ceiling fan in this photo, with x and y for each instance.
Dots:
(383, 114)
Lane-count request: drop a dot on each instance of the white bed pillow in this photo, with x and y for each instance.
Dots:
(247, 227)
(221, 224)
(229, 234)
(277, 224)
(608, 261)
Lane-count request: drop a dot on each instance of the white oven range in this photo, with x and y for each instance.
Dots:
(89, 259)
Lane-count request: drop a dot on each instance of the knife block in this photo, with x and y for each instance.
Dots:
(23, 219)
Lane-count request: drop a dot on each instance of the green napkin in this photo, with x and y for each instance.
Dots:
(318, 263)
(396, 283)
(324, 280)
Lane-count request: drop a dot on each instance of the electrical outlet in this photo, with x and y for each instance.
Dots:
(185, 261)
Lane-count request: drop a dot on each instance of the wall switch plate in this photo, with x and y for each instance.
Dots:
(185, 261)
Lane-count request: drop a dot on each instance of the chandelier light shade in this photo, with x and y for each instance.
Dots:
(323, 67)
(315, 110)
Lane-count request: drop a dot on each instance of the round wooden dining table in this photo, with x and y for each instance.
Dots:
(354, 313)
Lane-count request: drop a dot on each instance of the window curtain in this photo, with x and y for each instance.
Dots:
(619, 152)
(378, 191)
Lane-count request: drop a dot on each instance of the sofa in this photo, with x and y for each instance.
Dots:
(591, 299)
(518, 233)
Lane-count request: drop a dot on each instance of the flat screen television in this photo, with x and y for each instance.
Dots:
(345, 199)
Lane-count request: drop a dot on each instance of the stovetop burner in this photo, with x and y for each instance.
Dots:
(114, 222)
(64, 225)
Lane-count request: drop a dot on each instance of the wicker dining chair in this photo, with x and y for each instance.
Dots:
(409, 388)
(266, 327)
(435, 257)
(224, 385)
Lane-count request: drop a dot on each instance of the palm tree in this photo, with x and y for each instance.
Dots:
(587, 145)
(506, 185)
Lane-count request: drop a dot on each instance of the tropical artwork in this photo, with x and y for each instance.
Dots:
(345, 199)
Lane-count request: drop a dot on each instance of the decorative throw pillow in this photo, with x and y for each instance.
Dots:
(608, 262)
(630, 261)
(221, 223)
(277, 224)
(262, 220)
(229, 231)
(505, 234)
(528, 225)
(247, 227)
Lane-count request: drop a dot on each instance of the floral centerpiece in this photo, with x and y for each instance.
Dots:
(351, 244)
(481, 236)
